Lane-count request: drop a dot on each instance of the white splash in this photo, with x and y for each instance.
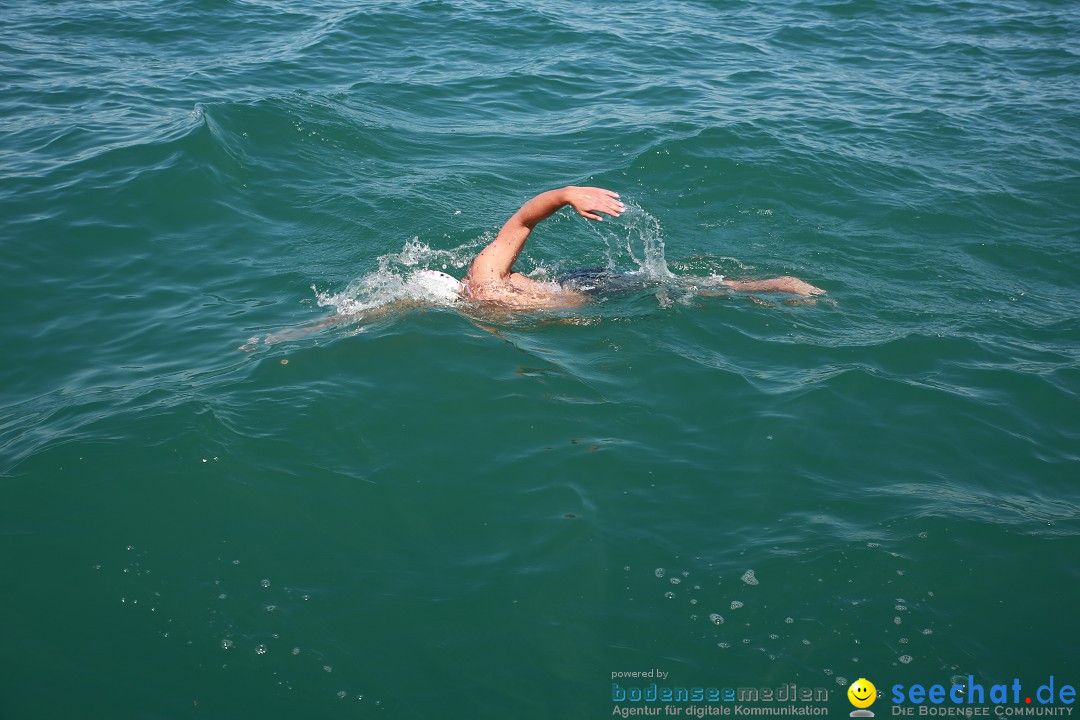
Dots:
(635, 235)
(412, 275)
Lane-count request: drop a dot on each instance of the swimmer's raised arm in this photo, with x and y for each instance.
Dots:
(494, 262)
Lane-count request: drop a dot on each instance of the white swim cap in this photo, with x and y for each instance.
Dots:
(438, 285)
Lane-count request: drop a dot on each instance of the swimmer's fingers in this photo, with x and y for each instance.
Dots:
(589, 202)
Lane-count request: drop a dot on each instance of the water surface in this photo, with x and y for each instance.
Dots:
(443, 512)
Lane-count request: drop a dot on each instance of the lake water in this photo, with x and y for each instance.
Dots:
(432, 510)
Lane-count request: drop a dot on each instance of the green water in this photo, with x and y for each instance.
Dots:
(446, 512)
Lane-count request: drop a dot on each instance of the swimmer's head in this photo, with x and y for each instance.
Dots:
(440, 286)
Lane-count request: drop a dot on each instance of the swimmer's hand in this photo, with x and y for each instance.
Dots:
(590, 201)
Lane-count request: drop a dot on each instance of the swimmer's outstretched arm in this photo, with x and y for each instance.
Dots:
(494, 262)
(295, 333)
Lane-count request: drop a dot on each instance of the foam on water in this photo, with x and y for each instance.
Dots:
(399, 278)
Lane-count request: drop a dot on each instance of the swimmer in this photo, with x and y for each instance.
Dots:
(491, 278)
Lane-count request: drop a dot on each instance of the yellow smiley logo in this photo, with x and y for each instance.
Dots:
(862, 693)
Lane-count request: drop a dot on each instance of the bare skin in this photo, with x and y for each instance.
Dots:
(783, 284)
(491, 278)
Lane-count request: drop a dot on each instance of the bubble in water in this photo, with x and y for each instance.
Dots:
(669, 595)
(828, 671)
(716, 619)
(260, 649)
(271, 608)
(265, 583)
(327, 668)
(841, 680)
(735, 604)
(722, 645)
(659, 572)
(749, 578)
(296, 651)
(341, 694)
(927, 631)
(896, 620)
(789, 620)
(901, 608)
(906, 659)
(675, 581)
(226, 644)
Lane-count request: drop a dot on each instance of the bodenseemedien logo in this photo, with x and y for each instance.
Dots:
(862, 695)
